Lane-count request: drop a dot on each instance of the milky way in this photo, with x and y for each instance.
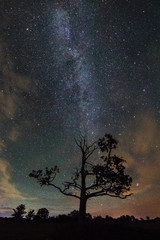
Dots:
(71, 32)
(71, 67)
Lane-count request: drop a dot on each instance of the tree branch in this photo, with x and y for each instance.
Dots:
(63, 191)
(103, 193)
(118, 196)
(91, 152)
(72, 184)
(85, 149)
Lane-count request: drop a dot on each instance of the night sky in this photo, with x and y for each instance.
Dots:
(71, 67)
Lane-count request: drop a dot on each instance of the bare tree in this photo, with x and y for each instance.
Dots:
(92, 179)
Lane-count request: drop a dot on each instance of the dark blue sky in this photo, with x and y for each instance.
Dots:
(71, 67)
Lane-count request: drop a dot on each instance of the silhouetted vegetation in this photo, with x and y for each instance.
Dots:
(30, 215)
(125, 218)
(108, 218)
(157, 219)
(65, 227)
(42, 214)
(105, 178)
(68, 227)
(19, 212)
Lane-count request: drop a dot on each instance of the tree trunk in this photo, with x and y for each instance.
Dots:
(82, 208)
(83, 199)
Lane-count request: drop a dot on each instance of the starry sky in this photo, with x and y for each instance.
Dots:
(71, 67)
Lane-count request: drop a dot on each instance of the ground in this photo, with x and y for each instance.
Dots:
(15, 230)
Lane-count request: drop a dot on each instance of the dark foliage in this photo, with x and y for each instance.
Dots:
(125, 218)
(98, 219)
(157, 219)
(30, 215)
(91, 230)
(63, 218)
(42, 214)
(74, 214)
(71, 217)
(108, 218)
(19, 212)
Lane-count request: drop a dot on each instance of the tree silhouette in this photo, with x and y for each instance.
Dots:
(19, 212)
(42, 214)
(105, 178)
(30, 215)
(124, 218)
(108, 218)
(73, 214)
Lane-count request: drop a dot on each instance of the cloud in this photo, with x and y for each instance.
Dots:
(8, 190)
(8, 104)
(12, 86)
(14, 134)
(2, 145)
(13, 89)
(147, 135)
(5, 211)
(141, 145)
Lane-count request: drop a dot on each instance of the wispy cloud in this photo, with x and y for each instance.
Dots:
(14, 134)
(141, 146)
(12, 86)
(8, 190)
(2, 145)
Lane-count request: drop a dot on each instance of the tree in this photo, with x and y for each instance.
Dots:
(74, 214)
(108, 218)
(30, 215)
(105, 178)
(126, 218)
(42, 214)
(19, 212)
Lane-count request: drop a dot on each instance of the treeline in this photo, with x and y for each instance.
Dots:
(42, 214)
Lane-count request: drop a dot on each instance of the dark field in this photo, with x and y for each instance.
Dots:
(14, 230)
